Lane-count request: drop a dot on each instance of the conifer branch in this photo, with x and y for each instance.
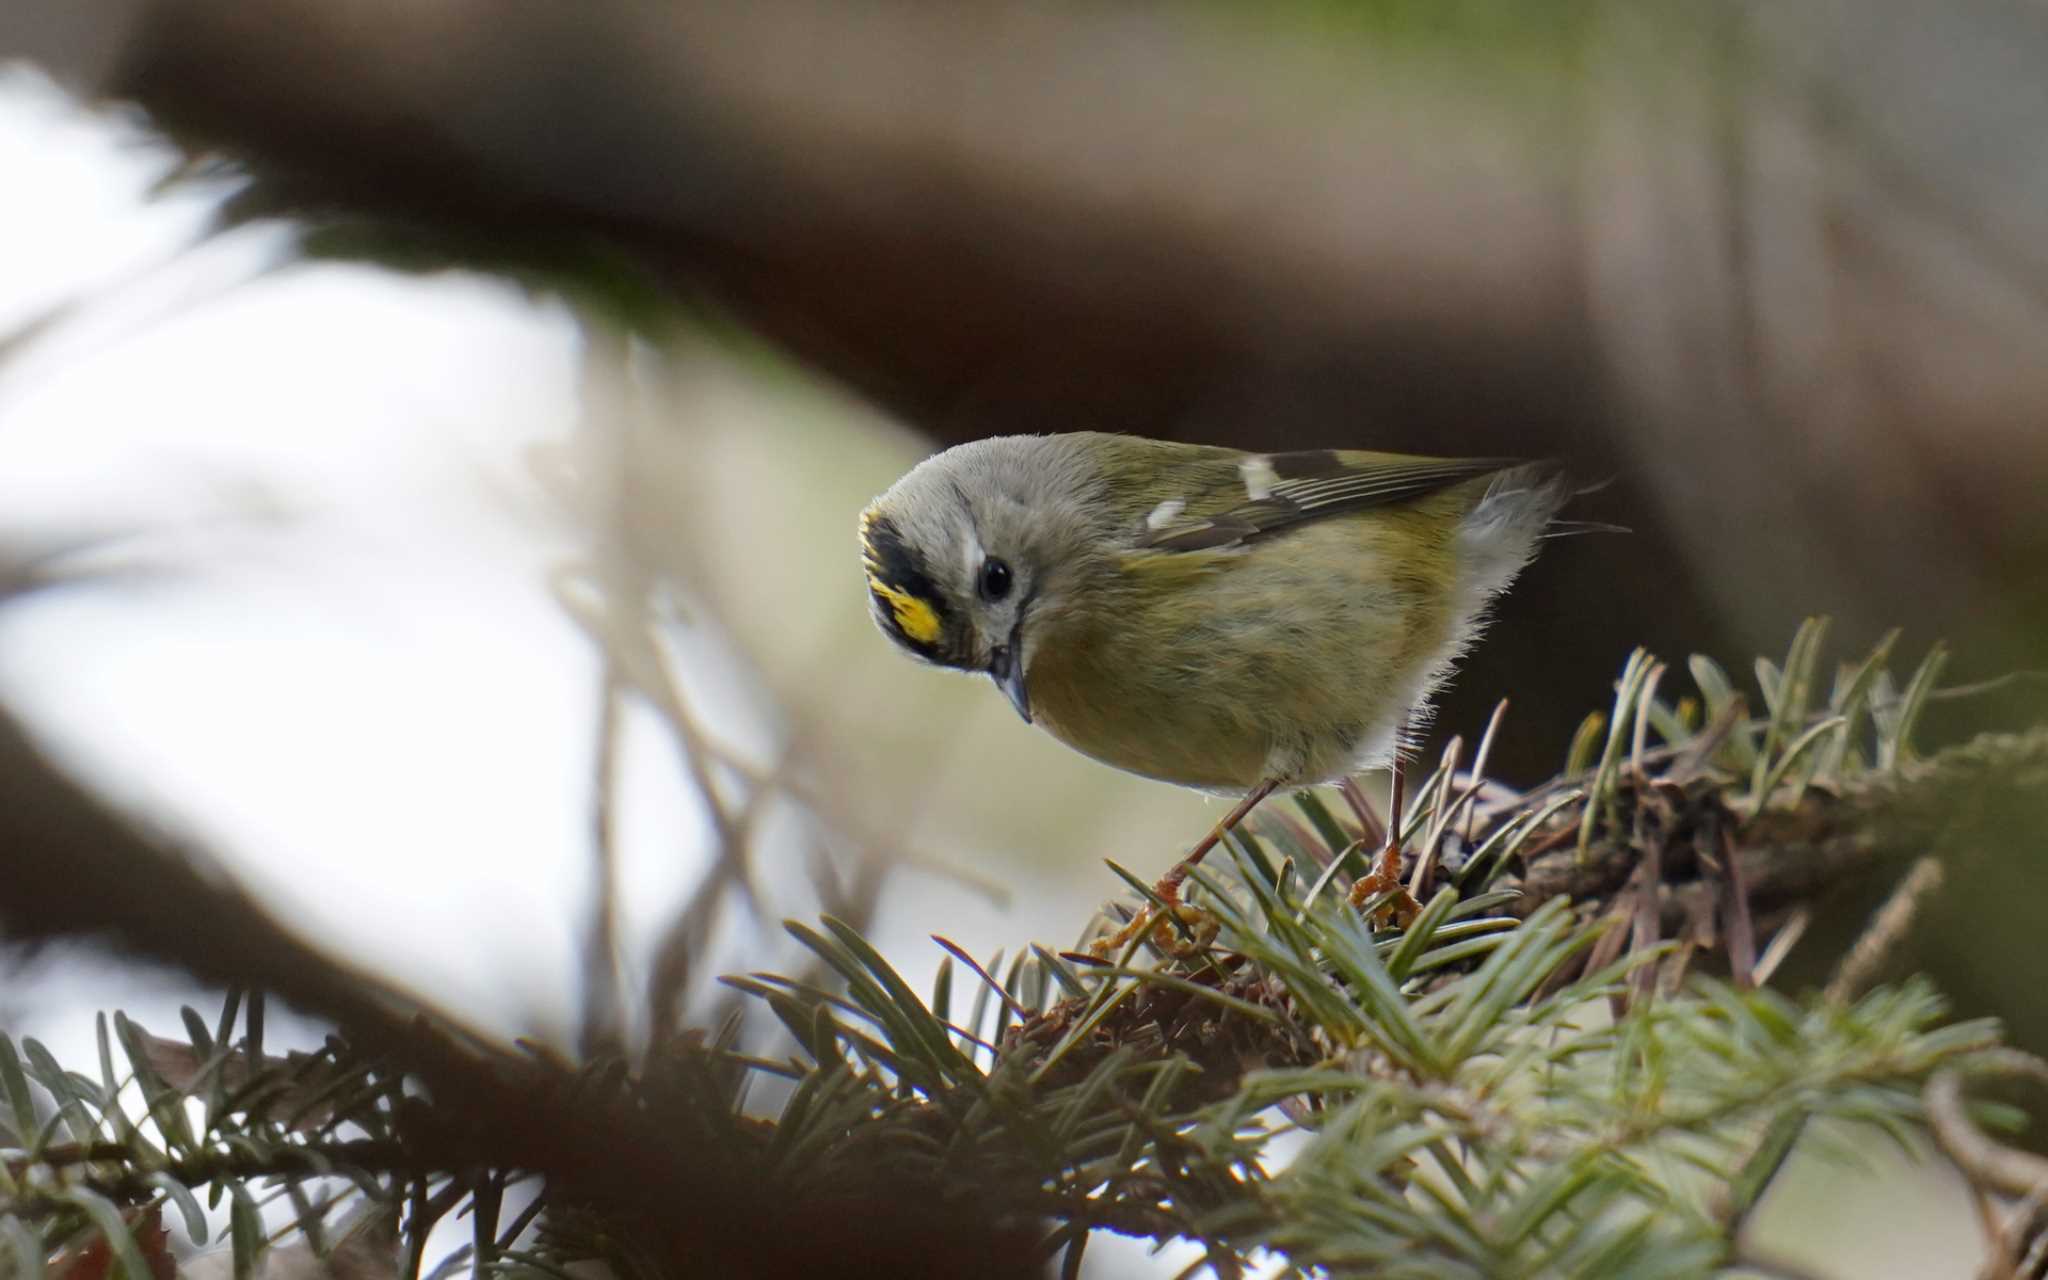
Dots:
(1489, 1090)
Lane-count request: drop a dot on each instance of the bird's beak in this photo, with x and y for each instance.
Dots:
(1006, 668)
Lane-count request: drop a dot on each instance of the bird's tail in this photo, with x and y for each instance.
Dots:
(1500, 534)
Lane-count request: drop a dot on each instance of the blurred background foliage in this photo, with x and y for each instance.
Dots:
(1779, 275)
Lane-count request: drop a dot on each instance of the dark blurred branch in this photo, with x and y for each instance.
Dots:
(992, 217)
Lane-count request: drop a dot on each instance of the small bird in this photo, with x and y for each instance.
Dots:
(1235, 622)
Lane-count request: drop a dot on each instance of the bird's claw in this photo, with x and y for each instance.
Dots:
(1384, 882)
(1193, 933)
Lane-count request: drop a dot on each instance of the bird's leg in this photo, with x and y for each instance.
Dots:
(1168, 888)
(1385, 876)
(1390, 853)
(1169, 884)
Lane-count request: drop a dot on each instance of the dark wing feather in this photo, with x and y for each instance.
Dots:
(1313, 485)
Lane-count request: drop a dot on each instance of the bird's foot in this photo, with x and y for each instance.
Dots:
(1180, 930)
(1383, 882)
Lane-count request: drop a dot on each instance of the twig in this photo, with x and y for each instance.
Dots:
(2034, 1260)
(658, 683)
(2018, 1243)
(1439, 821)
(613, 609)
(1741, 930)
(1859, 969)
(603, 1010)
(1781, 944)
(2003, 1169)
(1989, 1165)
(1372, 834)
(1469, 801)
(1648, 878)
(601, 389)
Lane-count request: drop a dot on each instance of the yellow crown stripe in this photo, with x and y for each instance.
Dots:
(867, 542)
(914, 617)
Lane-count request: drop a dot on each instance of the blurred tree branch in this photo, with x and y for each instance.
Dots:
(893, 192)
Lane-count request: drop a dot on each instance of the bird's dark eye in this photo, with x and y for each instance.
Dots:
(995, 579)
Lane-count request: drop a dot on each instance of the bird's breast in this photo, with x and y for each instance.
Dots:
(1146, 720)
(1288, 665)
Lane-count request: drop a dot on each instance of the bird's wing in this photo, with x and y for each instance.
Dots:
(1271, 492)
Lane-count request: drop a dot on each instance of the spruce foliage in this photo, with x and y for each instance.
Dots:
(1536, 1077)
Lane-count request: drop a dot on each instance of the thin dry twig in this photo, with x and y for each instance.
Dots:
(2003, 1169)
(612, 601)
(1991, 1166)
(1439, 821)
(2017, 1244)
(1781, 944)
(1859, 969)
(603, 1029)
(605, 355)
(1740, 930)
(1469, 801)
(1372, 833)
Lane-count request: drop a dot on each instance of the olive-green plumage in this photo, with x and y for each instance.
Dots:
(1200, 615)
